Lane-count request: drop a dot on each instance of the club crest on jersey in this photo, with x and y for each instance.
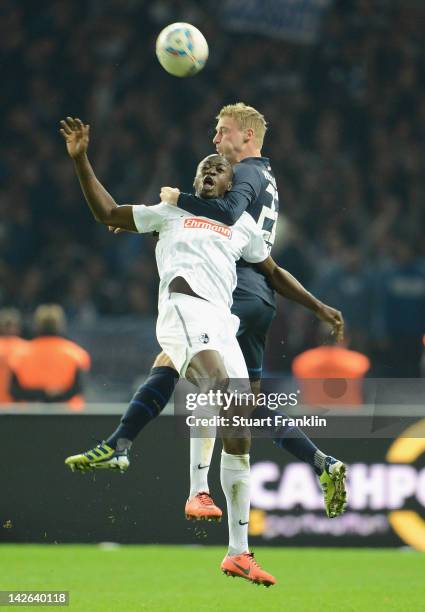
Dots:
(204, 338)
(196, 223)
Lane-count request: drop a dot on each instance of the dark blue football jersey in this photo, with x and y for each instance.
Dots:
(254, 190)
(264, 209)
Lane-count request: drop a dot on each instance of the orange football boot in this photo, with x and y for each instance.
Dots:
(245, 566)
(201, 507)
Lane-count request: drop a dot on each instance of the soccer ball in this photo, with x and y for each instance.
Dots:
(181, 49)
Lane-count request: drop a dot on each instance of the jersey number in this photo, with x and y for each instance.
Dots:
(269, 212)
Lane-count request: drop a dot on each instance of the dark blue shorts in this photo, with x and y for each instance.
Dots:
(255, 318)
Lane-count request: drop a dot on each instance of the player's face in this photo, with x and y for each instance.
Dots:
(213, 177)
(229, 139)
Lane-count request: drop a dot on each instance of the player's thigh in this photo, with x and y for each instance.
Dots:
(255, 317)
(188, 325)
(234, 362)
(207, 371)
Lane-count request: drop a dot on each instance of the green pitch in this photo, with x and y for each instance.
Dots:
(178, 578)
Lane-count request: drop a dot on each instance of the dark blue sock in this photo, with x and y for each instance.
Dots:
(147, 403)
(294, 440)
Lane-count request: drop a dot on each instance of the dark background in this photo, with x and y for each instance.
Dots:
(45, 502)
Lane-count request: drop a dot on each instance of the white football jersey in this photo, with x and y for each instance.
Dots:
(200, 250)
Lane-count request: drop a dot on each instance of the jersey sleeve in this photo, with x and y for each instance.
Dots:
(151, 218)
(245, 190)
(255, 251)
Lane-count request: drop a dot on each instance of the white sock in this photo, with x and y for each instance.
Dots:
(202, 442)
(234, 474)
(201, 450)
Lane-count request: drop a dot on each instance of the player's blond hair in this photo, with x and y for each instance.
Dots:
(246, 117)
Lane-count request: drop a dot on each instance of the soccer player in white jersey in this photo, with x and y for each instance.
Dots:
(196, 262)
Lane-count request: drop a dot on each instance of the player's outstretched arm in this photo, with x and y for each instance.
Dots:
(103, 206)
(288, 287)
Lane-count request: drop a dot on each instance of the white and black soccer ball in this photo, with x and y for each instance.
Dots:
(181, 49)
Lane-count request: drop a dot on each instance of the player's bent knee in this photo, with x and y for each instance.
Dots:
(214, 382)
(162, 360)
(207, 371)
(218, 381)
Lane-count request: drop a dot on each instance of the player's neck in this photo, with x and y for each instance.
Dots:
(250, 152)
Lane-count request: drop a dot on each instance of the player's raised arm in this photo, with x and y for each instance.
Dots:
(103, 206)
(288, 287)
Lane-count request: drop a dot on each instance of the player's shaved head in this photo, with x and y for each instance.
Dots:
(216, 157)
(213, 176)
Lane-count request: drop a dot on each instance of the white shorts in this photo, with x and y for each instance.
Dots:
(187, 325)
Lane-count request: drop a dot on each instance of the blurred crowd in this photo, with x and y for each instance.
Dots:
(346, 141)
(47, 368)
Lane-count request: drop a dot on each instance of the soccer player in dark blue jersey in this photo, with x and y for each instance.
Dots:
(254, 190)
(239, 137)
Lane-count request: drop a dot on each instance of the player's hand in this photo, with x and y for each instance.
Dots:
(334, 318)
(170, 195)
(120, 230)
(76, 136)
